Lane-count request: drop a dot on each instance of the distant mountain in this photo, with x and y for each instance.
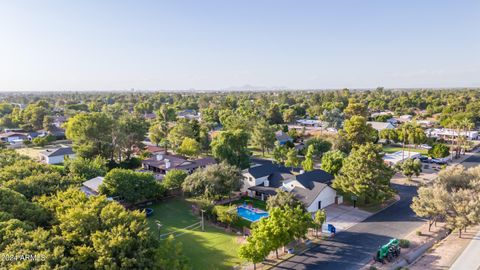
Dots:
(248, 87)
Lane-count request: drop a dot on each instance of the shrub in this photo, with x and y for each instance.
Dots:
(419, 233)
(404, 243)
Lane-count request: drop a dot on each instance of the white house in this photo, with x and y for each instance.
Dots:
(13, 137)
(312, 188)
(57, 155)
(448, 134)
(379, 126)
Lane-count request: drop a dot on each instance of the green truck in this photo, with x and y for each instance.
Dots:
(388, 252)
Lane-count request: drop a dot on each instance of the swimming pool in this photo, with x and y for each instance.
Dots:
(251, 215)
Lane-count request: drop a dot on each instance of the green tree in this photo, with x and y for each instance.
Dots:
(410, 167)
(320, 146)
(88, 233)
(214, 181)
(166, 113)
(307, 164)
(91, 134)
(439, 150)
(289, 115)
(255, 249)
(174, 179)
(332, 161)
(320, 218)
(390, 135)
(430, 203)
(231, 146)
(158, 132)
(226, 214)
(130, 131)
(273, 115)
(263, 136)
(40, 184)
(84, 168)
(358, 132)
(292, 159)
(280, 153)
(364, 174)
(355, 108)
(132, 186)
(15, 204)
(182, 129)
(333, 118)
(189, 147)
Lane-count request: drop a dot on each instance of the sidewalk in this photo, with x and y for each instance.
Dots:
(469, 258)
(444, 254)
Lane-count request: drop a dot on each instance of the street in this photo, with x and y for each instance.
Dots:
(352, 249)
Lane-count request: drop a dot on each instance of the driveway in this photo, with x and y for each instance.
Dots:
(343, 217)
(353, 248)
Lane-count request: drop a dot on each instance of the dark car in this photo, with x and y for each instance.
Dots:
(424, 159)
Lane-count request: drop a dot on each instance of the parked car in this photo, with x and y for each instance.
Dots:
(424, 159)
(425, 146)
(439, 161)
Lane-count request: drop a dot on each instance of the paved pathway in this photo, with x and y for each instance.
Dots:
(470, 258)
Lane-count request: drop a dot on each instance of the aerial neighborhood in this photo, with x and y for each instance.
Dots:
(200, 171)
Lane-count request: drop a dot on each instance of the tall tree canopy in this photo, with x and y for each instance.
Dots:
(214, 181)
(231, 146)
(364, 174)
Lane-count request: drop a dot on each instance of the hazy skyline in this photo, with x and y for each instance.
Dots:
(108, 45)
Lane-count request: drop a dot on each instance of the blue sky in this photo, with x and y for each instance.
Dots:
(107, 45)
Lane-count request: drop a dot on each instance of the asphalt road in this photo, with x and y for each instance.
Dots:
(472, 161)
(353, 248)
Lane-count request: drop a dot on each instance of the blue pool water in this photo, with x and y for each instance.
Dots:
(250, 215)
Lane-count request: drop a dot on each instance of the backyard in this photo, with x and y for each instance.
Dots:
(212, 249)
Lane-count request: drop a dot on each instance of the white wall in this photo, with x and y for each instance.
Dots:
(250, 181)
(327, 196)
(57, 159)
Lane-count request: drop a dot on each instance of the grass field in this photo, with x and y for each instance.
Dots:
(212, 249)
(32, 152)
(392, 149)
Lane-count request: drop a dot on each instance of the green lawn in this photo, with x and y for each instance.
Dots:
(212, 249)
(392, 149)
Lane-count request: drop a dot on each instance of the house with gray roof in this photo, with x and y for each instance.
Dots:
(56, 155)
(312, 188)
(91, 187)
(160, 164)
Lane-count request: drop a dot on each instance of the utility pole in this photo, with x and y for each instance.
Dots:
(203, 221)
